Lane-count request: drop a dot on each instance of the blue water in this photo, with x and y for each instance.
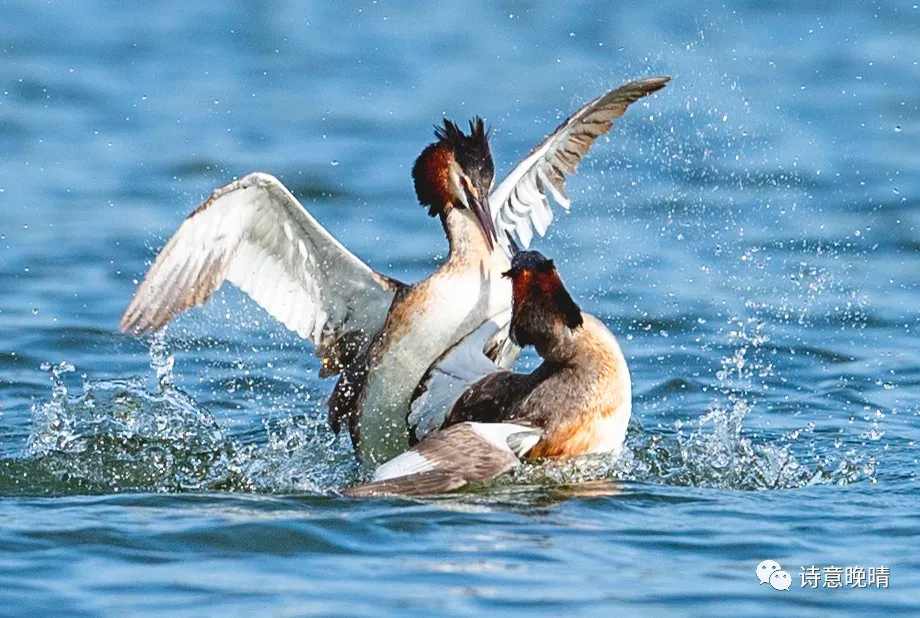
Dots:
(752, 234)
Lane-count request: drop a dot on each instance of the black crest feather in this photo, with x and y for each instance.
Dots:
(471, 151)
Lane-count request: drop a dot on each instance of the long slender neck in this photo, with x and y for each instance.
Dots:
(539, 320)
(559, 345)
(467, 241)
(591, 345)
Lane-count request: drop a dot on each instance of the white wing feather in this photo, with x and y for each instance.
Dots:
(254, 233)
(404, 464)
(519, 203)
(486, 350)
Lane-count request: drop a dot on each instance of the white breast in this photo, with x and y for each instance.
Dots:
(454, 306)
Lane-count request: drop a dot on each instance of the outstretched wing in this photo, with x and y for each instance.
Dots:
(520, 201)
(486, 350)
(449, 459)
(254, 233)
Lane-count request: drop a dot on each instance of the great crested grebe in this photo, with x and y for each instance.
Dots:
(381, 336)
(577, 402)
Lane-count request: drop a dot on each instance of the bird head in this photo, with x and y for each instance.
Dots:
(457, 171)
(541, 306)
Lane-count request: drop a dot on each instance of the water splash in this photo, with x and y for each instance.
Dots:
(117, 435)
(716, 450)
(301, 454)
(715, 453)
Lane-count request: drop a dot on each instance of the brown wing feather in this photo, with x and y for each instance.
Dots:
(458, 456)
(422, 484)
(518, 204)
(581, 129)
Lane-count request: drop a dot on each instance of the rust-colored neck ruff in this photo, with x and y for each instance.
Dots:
(431, 174)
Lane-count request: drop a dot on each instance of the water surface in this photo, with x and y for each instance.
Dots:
(751, 235)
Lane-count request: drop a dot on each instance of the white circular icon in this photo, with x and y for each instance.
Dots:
(767, 568)
(780, 580)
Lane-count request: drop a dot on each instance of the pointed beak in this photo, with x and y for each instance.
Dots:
(480, 208)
